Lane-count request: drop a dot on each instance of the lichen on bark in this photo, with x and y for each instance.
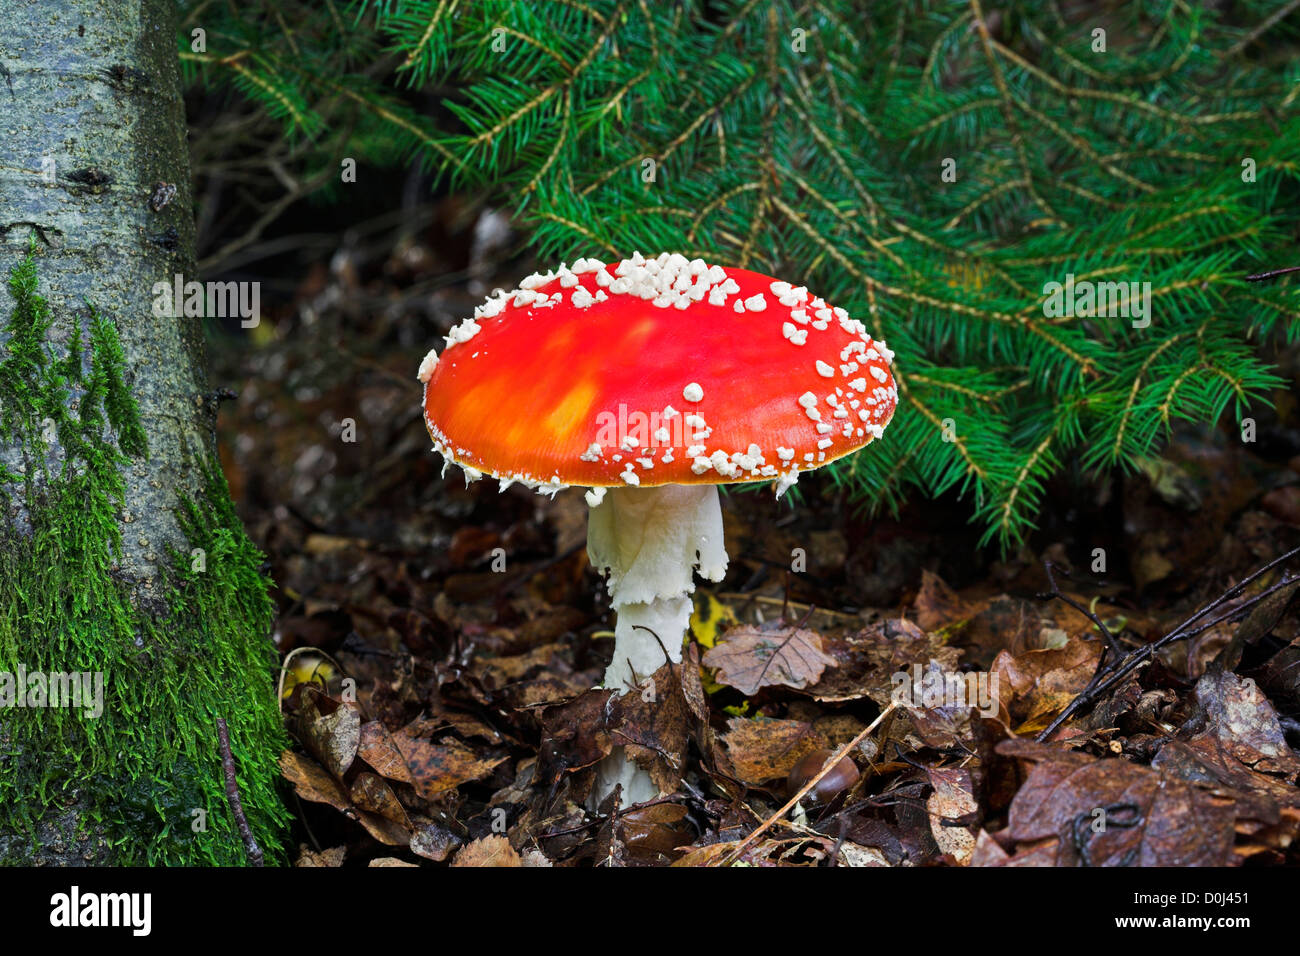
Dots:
(142, 782)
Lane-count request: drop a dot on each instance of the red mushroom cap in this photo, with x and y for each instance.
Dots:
(654, 372)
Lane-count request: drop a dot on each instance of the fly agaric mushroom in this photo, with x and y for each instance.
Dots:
(651, 382)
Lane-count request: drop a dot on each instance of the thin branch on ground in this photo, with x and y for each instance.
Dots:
(1109, 674)
(232, 794)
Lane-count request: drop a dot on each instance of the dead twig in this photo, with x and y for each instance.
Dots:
(232, 794)
(1272, 274)
(1109, 674)
(1060, 595)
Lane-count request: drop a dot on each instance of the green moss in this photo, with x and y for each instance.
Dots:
(145, 771)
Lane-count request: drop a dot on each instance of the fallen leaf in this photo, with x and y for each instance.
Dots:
(851, 854)
(433, 842)
(329, 857)
(494, 850)
(1244, 723)
(574, 735)
(654, 725)
(711, 855)
(938, 606)
(710, 618)
(952, 800)
(497, 672)
(377, 748)
(749, 658)
(988, 853)
(653, 834)
(1114, 813)
(764, 750)
(330, 729)
(311, 781)
(1041, 683)
(369, 792)
(436, 768)
(868, 660)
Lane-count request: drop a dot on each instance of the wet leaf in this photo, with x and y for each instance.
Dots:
(654, 725)
(653, 834)
(1114, 813)
(1243, 723)
(867, 660)
(1040, 683)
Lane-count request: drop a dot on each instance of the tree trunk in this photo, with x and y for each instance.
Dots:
(120, 552)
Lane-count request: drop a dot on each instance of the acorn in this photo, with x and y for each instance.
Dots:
(841, 777)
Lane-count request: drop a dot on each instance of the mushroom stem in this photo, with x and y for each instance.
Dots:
(649, 542)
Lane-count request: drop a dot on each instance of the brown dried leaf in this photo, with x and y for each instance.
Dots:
(868, 660)
(549, 688)
(952, 800)
(383, 829)
(574, 735)
(654, 725)
(311, 781)
(1040, 683)
(497, 672)
(369, 792)
(1243, 722)
(433, 842)
(1112, 812)
(711, 855)
(763, 750)
(436, 768)
(329, 857)
(852, 854)
(467, 725)
(938, 606)
(1205, 762)
(692, 686)
(494, 850)
(653, 834)
(377, 748)
(330, 729)
(989, 853)
(749, 658)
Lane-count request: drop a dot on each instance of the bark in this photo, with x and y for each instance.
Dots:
(94, 87)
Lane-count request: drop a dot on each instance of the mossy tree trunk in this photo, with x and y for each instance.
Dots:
(120, 552)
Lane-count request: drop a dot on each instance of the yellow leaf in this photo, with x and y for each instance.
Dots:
(307, 669)
(709, 619)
